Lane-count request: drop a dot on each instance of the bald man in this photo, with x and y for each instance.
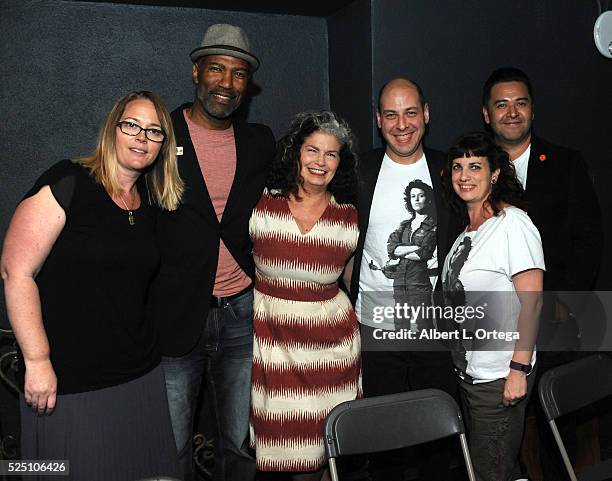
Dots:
(404, 232)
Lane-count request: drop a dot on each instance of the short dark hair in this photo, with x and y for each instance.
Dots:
(418, 88)
(505, 74)
(507, 190)
(284, 177)
(429, 194)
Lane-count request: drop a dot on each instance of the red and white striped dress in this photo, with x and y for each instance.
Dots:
(306, 350)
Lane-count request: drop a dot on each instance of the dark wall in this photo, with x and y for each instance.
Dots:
(450, 48)
(350, 68)
(64, 64)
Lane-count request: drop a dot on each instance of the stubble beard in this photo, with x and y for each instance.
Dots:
(216, 111)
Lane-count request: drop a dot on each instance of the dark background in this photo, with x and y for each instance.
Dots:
(64, 63)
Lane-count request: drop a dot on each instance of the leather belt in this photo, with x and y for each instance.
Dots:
(216, 301)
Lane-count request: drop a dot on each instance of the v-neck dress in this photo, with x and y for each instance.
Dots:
(306, 350)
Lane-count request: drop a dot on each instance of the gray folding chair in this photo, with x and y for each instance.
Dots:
(572, 386)
(390, 422)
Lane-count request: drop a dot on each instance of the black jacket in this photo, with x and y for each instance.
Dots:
(564, 207)
(189, 237)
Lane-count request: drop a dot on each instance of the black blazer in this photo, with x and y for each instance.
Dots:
(563, 205)
(189, 237)
(369, 167)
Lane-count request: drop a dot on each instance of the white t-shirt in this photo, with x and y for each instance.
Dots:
(501, 247)
(521, 163)
(388, 214)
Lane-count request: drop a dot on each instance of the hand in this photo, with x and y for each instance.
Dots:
(515, 388)
(40, 388)
(392, 263)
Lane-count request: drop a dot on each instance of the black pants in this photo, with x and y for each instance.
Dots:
(390, 372)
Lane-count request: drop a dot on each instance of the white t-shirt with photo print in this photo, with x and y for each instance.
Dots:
(387, 212)
(502, 246)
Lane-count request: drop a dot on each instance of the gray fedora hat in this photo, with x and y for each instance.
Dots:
(224, 39)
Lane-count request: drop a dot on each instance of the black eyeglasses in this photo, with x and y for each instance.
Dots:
(133, 129)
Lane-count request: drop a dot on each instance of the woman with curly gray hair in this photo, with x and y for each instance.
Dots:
(306, 344)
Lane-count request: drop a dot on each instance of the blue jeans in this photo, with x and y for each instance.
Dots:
(224, 353)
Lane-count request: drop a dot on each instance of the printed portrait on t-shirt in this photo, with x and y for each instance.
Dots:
(411, 247)
(399, 265)
(478, 279)
(454, 294)
(453, 287)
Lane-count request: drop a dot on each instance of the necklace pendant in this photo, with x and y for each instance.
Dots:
(131, 218)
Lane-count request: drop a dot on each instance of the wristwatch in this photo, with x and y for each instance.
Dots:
(517, 366)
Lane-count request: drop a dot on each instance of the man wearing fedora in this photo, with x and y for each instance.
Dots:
(202, 298)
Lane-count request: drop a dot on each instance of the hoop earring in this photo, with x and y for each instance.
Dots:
(493, 181)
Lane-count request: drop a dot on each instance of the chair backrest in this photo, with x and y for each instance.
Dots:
(572, 386)
(389, 422)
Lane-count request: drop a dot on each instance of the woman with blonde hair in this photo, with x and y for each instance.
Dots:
(77, 261)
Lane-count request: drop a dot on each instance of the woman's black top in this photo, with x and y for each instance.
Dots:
(93, 285)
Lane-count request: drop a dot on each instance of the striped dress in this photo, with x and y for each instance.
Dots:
(306, 344)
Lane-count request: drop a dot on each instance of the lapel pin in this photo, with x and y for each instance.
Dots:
(542, 157)
(179, 151)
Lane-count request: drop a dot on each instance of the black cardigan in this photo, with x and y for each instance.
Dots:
(563, 206)
(189, 237)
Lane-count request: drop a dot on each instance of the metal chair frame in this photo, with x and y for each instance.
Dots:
(394, 421)
(567, 388)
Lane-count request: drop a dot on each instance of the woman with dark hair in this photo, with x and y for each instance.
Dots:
(410, 247)
(78, 258)
(306, 351)
(499, 270)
